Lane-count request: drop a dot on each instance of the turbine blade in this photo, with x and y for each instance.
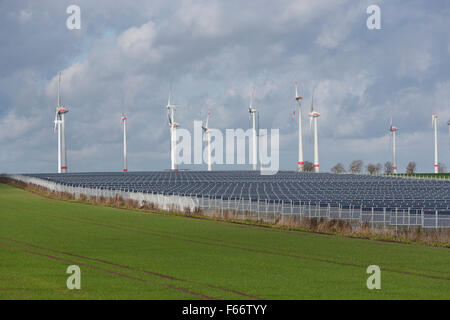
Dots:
(312, 98)
(55, 122)
(59, 88)
(169, 102)
(207, 119)
(252, 96)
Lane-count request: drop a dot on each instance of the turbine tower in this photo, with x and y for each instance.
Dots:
(124, 125)
(173, 133)
(436, 163)
(60, 124)
(252, 112)
(300, 137)
(207, 133)
(393, 130)
(57, 128)
(313, 115)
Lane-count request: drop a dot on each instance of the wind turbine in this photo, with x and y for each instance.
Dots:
(207, 133)
(393, 130)
(298, 98)
(173, 133)
(252, 112)
(60, 125)
(123, 119)
(436, 163)
(313, 115)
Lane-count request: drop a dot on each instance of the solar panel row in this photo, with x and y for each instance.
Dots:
(343, 190)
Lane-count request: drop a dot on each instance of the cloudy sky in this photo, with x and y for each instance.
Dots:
(127, 53)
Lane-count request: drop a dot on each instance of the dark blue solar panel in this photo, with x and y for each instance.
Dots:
(345, 190)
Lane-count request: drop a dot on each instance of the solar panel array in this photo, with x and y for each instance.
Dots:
(344, 190)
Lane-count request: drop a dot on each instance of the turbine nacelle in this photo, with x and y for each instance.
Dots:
(434, 119)
(62, 110)
(297, 96)
(173, 124)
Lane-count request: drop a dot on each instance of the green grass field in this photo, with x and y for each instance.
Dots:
(126, 254)
(444, 176)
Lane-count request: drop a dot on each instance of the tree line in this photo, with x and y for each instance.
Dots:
(357, 167)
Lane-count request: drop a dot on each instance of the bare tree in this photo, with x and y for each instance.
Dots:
(378, 168)
(370, 168)
(373, 168)
(356, 166)
(442, 168)
(308, 166)
(411, 168)
(339, 168)
(388, 168)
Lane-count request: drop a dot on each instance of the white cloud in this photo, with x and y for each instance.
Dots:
(13, 126)
(25, 15)
(414, 62)
(137, 40)
(338, 27)
(201, 18)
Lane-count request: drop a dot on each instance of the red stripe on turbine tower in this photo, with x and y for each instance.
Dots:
(316, 165)
(301, 162)
(64, 168)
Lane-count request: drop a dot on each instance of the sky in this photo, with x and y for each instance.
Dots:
(212, 53)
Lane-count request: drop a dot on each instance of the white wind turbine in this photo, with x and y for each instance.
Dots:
(298, 99)
(173, 133)
(207, 133)
(313, 115)
(59, 125)
(393, 130)
(436, 163)
(252, 113)
(123, 119)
